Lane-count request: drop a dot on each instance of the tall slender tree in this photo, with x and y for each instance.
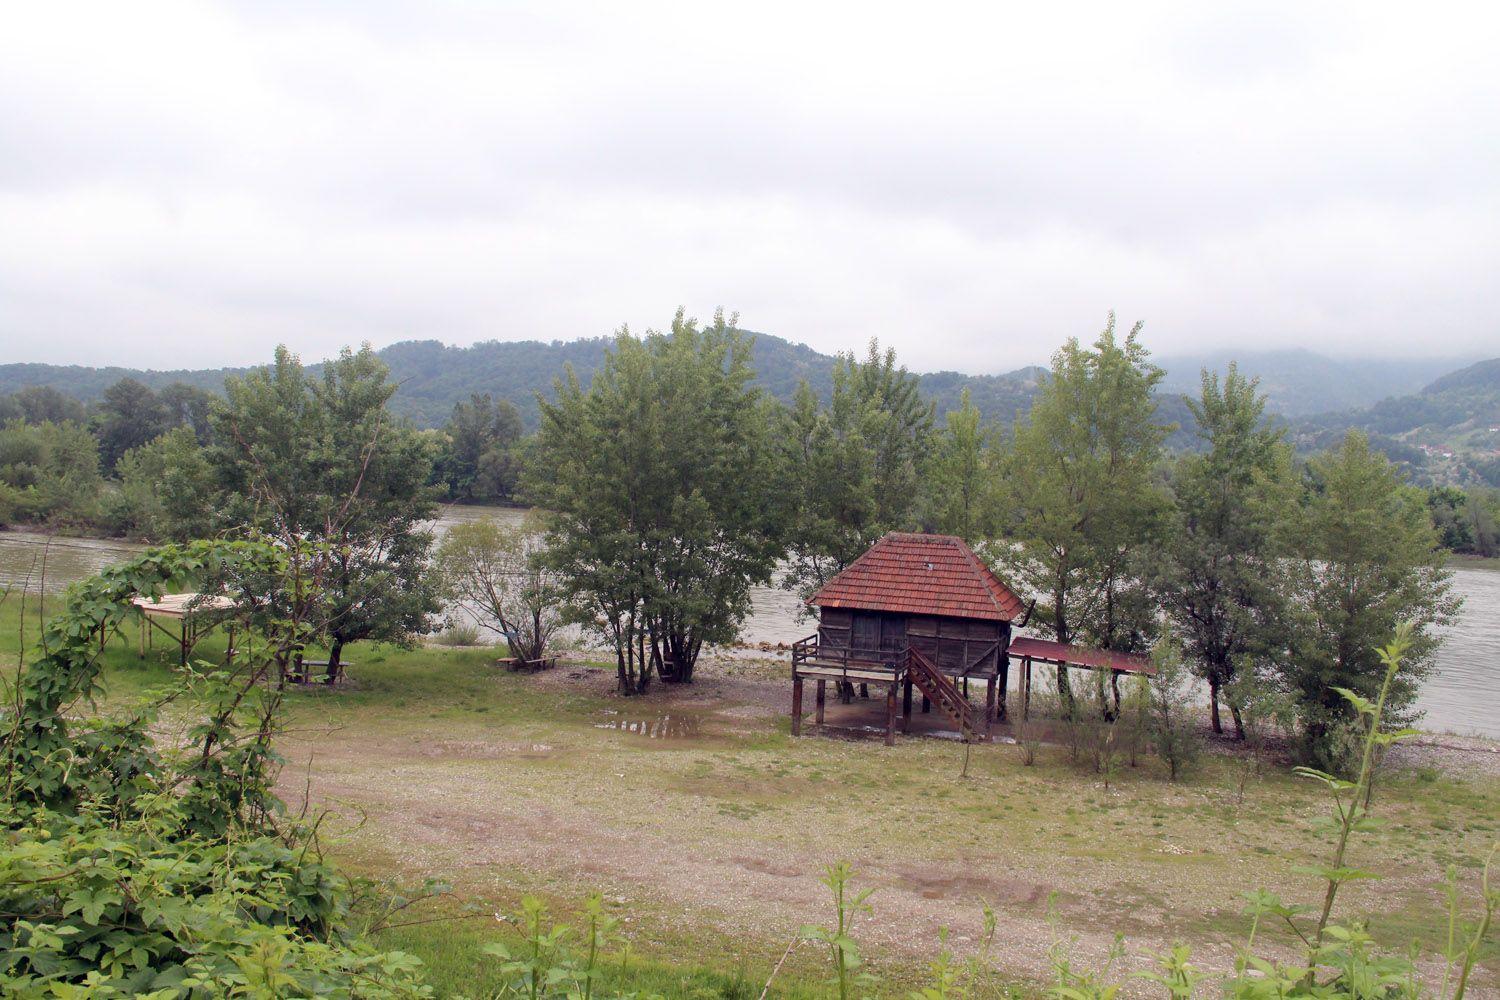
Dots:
(853, 467)
(1080, 502)
(959, 480)
(1217, 568)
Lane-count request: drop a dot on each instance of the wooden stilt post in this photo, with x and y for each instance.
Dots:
(925, 703)
(1004, 684)
(890, 715)
(796, 706)
(989, 704)
(821, 696)
(906, 706)
(229, 650)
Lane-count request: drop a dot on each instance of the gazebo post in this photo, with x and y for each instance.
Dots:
(1026, 688)
(989, 703)
(822, 694)
(890, 715)
(796, 706)
(143, 636)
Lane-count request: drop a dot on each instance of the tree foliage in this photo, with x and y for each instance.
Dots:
(1081, 504)
(319, 459)
(1218, 565)
(1364, 560)
(959, 479)
(499, 579)
(661, 482)
(480, 458)
(852, 467)
(49, 473)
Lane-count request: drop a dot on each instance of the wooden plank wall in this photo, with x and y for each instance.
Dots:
(956, 645)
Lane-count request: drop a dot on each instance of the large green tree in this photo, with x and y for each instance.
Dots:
(852, 467)
(129, 415)
(1365, 558)
(660, 477)
(49, 473)
(1217, 566)
(1081, 503)
(480, 458)
(320, 459)
(166, 490)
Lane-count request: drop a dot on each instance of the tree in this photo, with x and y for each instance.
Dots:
(129, 415)
(1170, 707)
(480, 461)
(41, 404)
(1080, 503)
(1217, 567)
(665, 500)
(49, 473)
(320, 460)
(189, 406)
(166, 490)
(959, 481)
(853, 468)
(498, 578)
(1365, 560)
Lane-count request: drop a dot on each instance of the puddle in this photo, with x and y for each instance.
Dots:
(653, 727)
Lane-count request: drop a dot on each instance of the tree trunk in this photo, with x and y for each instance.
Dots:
(1213, 704)
(334, 653)
(1239, 723)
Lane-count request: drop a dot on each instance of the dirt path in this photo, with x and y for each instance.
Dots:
(710, 826)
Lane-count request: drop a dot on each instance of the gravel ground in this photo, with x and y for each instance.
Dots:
(709, 826)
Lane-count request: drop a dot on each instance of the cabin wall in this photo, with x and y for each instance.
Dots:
(956, 645)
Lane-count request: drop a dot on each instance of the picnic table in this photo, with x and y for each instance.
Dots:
(192, 612)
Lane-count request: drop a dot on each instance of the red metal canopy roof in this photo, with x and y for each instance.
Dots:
(921, 575)
(1081, 656)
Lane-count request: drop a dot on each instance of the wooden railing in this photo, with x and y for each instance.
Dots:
(810, 651)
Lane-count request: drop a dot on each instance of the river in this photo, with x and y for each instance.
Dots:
(1463, 695)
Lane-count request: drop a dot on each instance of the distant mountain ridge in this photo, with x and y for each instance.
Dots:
(434, 376)
(1301, 383)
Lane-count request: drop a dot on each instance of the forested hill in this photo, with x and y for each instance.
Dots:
(1300, 383)
(1452, 425)
(433, 377)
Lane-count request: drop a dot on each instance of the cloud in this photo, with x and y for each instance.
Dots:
(189, 184)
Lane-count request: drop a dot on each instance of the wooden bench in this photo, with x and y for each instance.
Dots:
(529, 666)
(298, 672)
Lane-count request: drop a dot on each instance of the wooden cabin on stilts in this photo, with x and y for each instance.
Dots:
(923, 614)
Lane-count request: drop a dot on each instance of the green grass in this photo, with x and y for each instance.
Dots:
(441, 733)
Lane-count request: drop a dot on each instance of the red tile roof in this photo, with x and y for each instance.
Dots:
(921, 575)
(1080, 656)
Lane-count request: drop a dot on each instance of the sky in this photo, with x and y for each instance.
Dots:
(189, 184)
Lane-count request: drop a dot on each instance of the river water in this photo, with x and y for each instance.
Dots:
(1462, 696)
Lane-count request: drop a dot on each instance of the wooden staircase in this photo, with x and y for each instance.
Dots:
(940, 691)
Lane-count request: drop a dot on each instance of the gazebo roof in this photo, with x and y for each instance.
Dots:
(921, 575)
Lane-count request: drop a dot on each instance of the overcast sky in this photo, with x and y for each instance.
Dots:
(186, 185)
